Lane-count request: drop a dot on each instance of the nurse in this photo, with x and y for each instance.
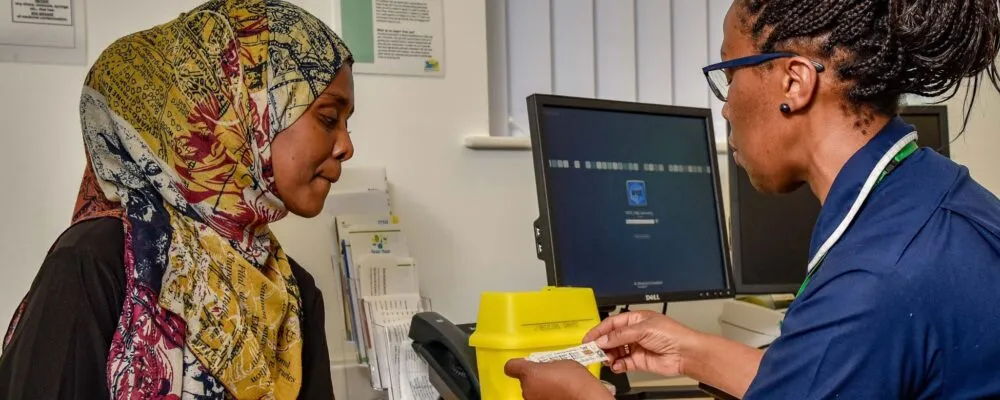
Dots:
(903, 295)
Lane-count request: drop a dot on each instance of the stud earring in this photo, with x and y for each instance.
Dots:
(785, 108)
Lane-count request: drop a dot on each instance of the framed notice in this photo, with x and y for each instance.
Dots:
(397, 37)
(43, 31)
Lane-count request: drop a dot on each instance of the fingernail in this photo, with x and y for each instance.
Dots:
(602, 340)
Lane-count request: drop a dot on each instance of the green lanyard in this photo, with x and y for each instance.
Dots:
(905, 152)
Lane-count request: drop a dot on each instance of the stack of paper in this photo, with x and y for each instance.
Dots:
(380, 285)
(359, 237)
(402, 372)
(389, 317)
(416, 382)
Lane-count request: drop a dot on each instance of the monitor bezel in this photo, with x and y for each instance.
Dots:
(741, 288)
(939, 111)
(549, 255)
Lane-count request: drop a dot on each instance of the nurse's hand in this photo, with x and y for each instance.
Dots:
(643, 341)
(556, 380)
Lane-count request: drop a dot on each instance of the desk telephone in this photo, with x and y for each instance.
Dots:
(451, 361)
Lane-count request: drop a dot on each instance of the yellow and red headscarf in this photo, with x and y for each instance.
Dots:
(178, 122)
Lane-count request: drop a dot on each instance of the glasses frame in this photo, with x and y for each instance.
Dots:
(748, 61)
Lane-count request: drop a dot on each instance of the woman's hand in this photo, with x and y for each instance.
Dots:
(556, 380)
(643, 341)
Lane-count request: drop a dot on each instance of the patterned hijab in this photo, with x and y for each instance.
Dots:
(178, 121)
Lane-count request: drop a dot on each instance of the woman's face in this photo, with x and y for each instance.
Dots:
(762, 139)
(307, 156)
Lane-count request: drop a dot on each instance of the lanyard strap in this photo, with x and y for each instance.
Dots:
(908, 149)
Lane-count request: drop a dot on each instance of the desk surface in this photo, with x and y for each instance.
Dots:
(642, 381)
(639, 379)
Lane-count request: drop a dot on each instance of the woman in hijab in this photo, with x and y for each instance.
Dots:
(168, 284)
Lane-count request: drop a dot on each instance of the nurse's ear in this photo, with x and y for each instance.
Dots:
(800, 83)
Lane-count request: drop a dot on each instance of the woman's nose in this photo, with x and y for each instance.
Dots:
(343, 150)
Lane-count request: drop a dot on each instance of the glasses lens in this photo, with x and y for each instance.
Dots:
(720, 83)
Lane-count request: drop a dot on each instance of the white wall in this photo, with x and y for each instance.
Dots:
(650, 51)
(977, 148)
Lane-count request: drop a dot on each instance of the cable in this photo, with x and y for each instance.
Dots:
(664, 308)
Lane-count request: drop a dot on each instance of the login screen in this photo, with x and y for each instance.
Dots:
(632, 202)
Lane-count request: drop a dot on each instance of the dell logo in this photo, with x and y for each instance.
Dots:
(652, 297)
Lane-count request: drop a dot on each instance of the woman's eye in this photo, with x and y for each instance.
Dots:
(330, 122)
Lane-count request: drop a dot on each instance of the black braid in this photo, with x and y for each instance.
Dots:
(887, 48)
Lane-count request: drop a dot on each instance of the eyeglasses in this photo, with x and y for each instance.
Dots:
(719, 74)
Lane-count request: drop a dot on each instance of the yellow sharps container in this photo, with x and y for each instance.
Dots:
(514, 325)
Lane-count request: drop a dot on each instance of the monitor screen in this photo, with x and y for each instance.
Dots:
(771, 233)
(630, 198)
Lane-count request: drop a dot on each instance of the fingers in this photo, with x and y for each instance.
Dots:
(615, 353)
(623, 365)
(608, 325)
(619, 361)
(621, 337)
(517, 368)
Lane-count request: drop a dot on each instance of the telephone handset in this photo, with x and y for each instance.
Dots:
(445, 348)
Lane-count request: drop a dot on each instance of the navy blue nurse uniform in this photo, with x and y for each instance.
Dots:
(906, 305)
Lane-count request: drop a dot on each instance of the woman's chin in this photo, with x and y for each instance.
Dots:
(307, 207)
(312, 202)
(306, 212)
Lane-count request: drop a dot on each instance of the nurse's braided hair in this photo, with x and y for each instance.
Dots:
(887, 48)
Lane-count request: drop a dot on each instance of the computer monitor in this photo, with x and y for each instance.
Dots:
(771, 233)
(629, 200)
